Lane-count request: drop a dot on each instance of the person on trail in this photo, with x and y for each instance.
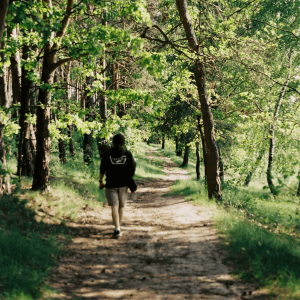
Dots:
(118, 165)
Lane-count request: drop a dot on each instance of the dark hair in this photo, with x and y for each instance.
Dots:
(119, 142)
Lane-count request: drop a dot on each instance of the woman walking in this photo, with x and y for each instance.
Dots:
(118, 165)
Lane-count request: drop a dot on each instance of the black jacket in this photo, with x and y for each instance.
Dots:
(118, 169)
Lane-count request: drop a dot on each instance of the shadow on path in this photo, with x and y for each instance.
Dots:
(169, 250)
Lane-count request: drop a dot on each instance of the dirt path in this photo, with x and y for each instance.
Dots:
(169, 250)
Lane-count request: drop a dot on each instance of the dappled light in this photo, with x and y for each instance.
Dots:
(169, 250)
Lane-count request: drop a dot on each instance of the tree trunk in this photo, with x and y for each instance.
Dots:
(212, 156)
(115, 85)
(3, 83)
(221, 165)
(272, 131)
(298, 191)
(186, 156)
(198, 161)
(3, 11)
(88, 138)
(3, 103)
(29, 151)
(203, 151)
(16, 76)
(163, 142)
(2, 145)
(42, 161)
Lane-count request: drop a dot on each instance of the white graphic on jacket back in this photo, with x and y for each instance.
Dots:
(118, 160)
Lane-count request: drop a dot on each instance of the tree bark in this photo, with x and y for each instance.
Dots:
(212, 156)
(273, 129)
(198, 161)
(4, 4)
(186, 156)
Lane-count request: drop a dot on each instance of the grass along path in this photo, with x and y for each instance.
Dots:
(169, 250)
(261, 236)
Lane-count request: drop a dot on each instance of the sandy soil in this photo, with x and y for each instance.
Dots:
(169, 250)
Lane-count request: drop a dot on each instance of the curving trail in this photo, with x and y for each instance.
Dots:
(169, 250)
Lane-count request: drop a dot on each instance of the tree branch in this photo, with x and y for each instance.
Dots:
(64, 23)
(239, 10)
(277, 82)
(290, 32)
(65, 60)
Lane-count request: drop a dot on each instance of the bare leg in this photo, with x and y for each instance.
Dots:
(115, 215)
(121, 211)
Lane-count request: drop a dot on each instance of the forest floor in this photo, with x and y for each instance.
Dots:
(169, 250)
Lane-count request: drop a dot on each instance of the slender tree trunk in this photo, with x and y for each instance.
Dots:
(186, 156)
(77, 91)
(16, 75)
(3, 82)
(273, 128)
(3, 103)
(2, 145)
(68, 96)
(114, 85)
(3, 11)
(203, 150)
(212, 156)
(88, 138)
(198, 161)
(298, 191)
(102, 143)
(29, 151)
(83, 100)
(60, 76)
(221, 165)
(163, 142)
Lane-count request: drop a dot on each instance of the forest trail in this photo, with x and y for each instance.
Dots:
(169, 250)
